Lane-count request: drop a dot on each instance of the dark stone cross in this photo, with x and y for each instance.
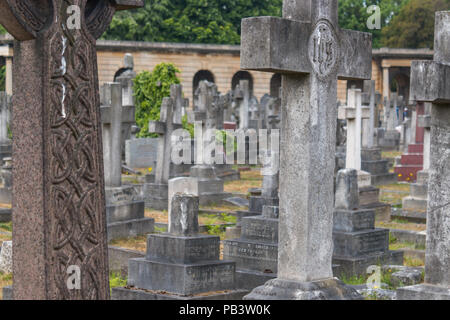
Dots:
(309, 49)
(58, 194)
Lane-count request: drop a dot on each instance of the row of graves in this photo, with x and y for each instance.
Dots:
(312, 222)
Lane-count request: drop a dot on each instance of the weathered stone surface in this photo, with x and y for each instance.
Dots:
(347, 196)
(136, 294)
(141, 153)
(6, 257)
(423, 292)
(358, 243)
(350, 221)
(5, 215)
(184, 215)
(118, 258)
(56, 119)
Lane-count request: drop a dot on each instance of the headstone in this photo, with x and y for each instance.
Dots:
(5, 116)
(357, 243)
(210, 112)
(429, 83)
(414, 206)
(156, 194)
(141, 153)
(126, 79)
(6, 257)
(354, 113)
(6, 180)
(125, 209)
(243, 97)
(388, 137)
(57, 169)
(309, 95)
(371, 156)
(181, 264)
(255, 249)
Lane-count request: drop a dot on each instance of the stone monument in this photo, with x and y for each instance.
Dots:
(308, 136)
(59, 212)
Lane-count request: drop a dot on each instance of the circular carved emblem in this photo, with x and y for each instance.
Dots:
(323, 49)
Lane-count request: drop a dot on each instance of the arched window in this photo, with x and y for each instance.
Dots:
(242, 75)
(200, 76)
(275, 85)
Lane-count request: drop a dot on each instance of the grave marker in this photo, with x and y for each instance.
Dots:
(57, 148)
(308, 135)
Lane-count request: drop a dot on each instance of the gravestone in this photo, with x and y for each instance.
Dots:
(156, 194)
(242, 96)
(181, 264)
(255, 249)
(309, 113)
(389, 138)
(5, 116)
(126, 79)
(429, 83)
(141, 153)
(209, 111)
(125, 209)
(415, 205)
(6, 257)
(411, 161)
(6, 180)
(354, 113)
(371, 156)
(57, 155)
(357, 243)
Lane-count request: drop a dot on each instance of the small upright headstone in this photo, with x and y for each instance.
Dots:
(388, 137)
(357, 243)
(181, 264)
(6, 257)
(429, 83)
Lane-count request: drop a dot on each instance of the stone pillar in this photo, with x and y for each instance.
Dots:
(429, 83)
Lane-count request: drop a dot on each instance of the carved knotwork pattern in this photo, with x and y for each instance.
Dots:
(75, 198)
(28, 16)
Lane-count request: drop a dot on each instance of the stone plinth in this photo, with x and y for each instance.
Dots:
(256, 251)
(210, 187)
(372, 162)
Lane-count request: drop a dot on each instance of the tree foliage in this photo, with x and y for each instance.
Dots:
(353, 15)
(413, 27)
(2, 30)
(2, 78)
(191, 21)
(149, 89)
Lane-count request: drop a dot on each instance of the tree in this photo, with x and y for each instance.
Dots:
(149, 89)
(191, 21)
(353, 15)
(413, 27)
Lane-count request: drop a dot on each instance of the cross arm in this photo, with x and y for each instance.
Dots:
(356, 55)
(158, 127)
(275, 45)
(425, 83)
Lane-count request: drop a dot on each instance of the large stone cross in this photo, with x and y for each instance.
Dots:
(430, 83)
(311, 52)
(60, 248)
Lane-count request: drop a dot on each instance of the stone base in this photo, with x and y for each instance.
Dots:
(382, 210)
(229, 175)
(233, 233)
(423, 292)
(7, 293)
(121, 195)
(118, 258)
(5, 215)
(250, 279)
(357, 266)
(412, 216)
(383, 179)
(330, 289)
(130, 228)
(181, 279)
(136, 294)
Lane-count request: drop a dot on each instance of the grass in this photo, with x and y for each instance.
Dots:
(405, 245)
(394, 193)
(159, 216)
(413, 261)
(136, 243)
(390, 154)
(6, 226)
(5, 280)
(5, 205)
(117, 280)
(249, 180)
(213, 219)
(401, 224)
(221, 207)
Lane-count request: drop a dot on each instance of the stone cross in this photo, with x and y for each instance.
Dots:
(390, 110)
(165, 127)
(369, 99)
(5, 102)
(111, 119)
(311, 52)
(429, 83)
(126, 79)
(354, 113)
(243, 96)
(58, 193)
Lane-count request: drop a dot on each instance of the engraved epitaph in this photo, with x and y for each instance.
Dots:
(58, 193)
